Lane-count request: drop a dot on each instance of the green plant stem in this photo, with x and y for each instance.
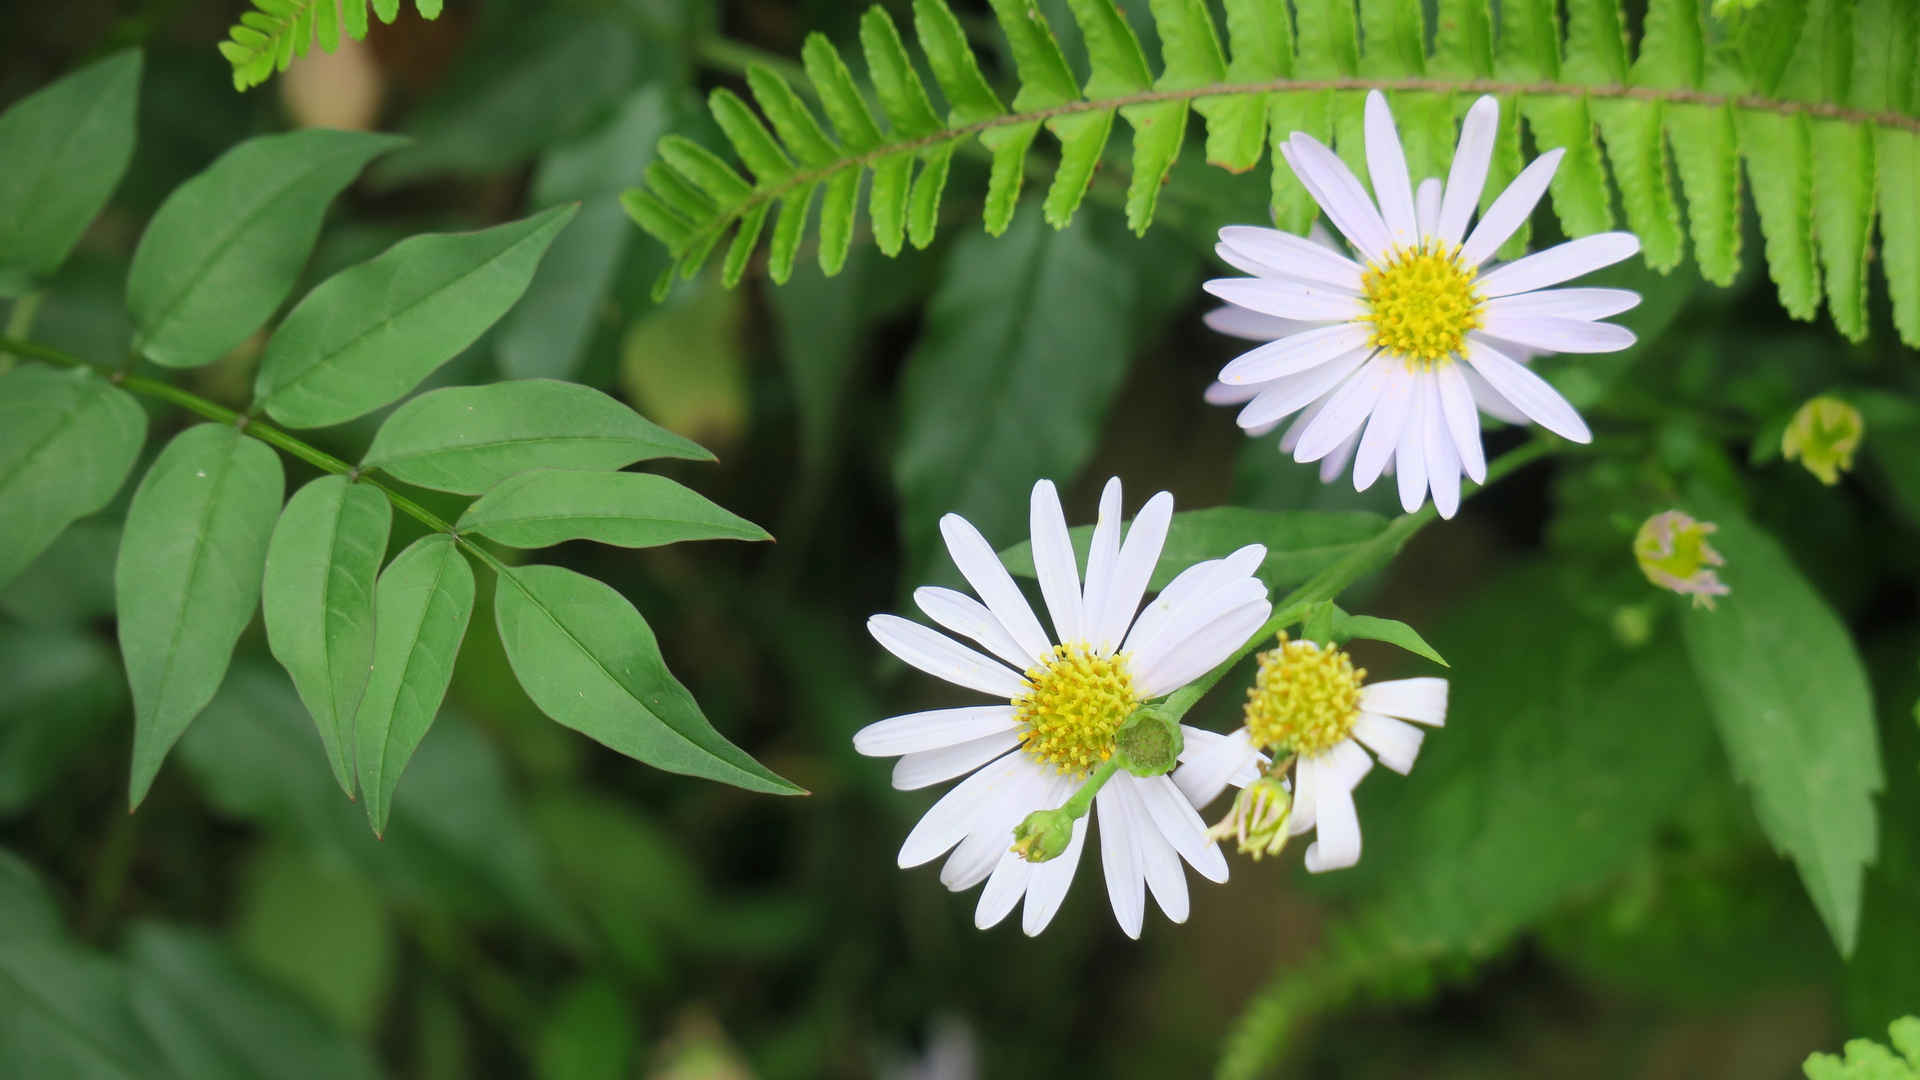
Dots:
(20, 322)
(1332, 580)
(1081, 801)
(266, 433)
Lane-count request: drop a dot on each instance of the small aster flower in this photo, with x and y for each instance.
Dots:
(1387, 359)
(1062, 699)
(1310, 706)
(1823, 435)
(1673, 553)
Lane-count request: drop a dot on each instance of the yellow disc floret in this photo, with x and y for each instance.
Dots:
(1076, 700)
(1304, 699)
(1421, 302)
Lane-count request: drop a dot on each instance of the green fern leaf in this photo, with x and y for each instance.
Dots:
(268, 38)
(1817, 97)
(1869, 1060)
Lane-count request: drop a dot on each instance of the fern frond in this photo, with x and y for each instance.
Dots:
(267, 39)
(1818, 99)
(1869, 1060)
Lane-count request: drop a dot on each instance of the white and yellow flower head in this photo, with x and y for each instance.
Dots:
(1062, 700)
(1313, 711)
(1388, 357)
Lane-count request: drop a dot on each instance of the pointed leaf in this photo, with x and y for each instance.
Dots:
(421, 607)
(1392, 631)
(67, 441)
(635, 510)
(188, 577)
(65, 148)
(953, 64)
(1779, 154)
(317, 602)
(466, 439)
(590, 661)
(226, 247)
(370, 333)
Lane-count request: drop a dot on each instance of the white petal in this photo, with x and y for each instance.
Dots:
(1575, 303)
(932, 729)
(1146, 537)
(1346, 410)
(1332, 465)
(1395, 741)
(1283, 396)
(1487, 398)
(1387, 165)
(1192, 617)
(944, 658)
(963, 615)
(1390, 414)
(1004, 889)
(924, 767)
(1204, 650)
(1423, 699)
(1158, 861)
(1241, 323)
(1527, 391)
(1308, 778)
(1562, 262)
(1048, 887)
(1463, 424)
(1426, 206)
(1120, 860)
(1054, 565)
(1102, 554)
(1306, 301)
(1286, 255)
(1554, 334)
(955, 814)
(1220, 393)
(1443, 461)
(993, 585)
(1210, 761)
(1293, 355)
(1180, 823)
(992, 836)
(1410, 457)
(1469, 172)
(1510, 210)
(1300, 424)
(1339, 193)
(1197, 587)
(1336, 843)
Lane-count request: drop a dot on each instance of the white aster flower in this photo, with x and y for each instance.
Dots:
(1311, 705)
(1387, 358)
(1061, 700)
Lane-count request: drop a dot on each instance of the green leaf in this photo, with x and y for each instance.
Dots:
(317, 603)
(64, 1012)
(902, 97)
(1298, 542)
(64, 696)
(545, 507)
(421, 607)
(65, 147)
(224, 250)
(589, 1035)
(1791, 700)
(466, 439)
(1779, 153)
(1897, 153)
(1391, 631)
(213, 1019)
(188, 578)
(67, 441)
(1843, 193)
(1869, 1060)
(589, 660)
(1707, 161)
(1025, 342)
(319, 928)
(953, 64)
(370, 333)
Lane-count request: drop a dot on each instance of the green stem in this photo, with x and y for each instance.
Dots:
(1334, 579)
(266, 433)
(1081, 801)
(20, 321)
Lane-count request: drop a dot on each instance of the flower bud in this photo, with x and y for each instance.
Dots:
(1149, 742)
(1258, 820)
(1823, 435)
(1673, 552)
(1043, 835)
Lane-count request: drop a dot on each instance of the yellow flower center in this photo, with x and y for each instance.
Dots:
(1304, 699)
(1421, 304)
(1076, 701)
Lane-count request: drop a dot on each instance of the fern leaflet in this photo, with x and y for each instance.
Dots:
(1869, 1060)
(1817, 97)
(267, 39)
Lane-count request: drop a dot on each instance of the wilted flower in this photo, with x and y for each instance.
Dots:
(1823, 435)
(1673, 552)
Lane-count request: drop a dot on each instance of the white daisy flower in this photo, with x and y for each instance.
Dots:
(1387, 358)
(1061, 700)
(1310, 707)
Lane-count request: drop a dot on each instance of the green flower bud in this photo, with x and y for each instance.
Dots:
(1823, 435)
(1258, 819)
(1673, 552)
(1149, 742)
(1043, 835)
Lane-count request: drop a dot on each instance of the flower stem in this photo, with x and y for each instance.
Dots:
(220, 414)
(1081, 801)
